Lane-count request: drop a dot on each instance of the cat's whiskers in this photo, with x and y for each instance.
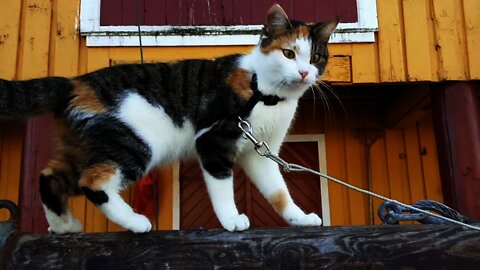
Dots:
(329, 115)
(332, 91)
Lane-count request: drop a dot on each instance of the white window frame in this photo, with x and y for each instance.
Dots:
(97, 35)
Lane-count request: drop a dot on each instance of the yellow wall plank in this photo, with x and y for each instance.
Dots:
(418, 41)
(379, 173)
(471, 9)
(64, 48)
(164, 178)
(335, 152)
(365, 63)
(97, 58)
(356, 172)
(10, 132)
(34, 45)
(82, 57)
(397, 166)
(340, 49)
(9, 25)
(390, 41)
(338, 70)
(166, 54)
(414, 164)
(431, 173)
(78, 205)
(450, 40)
(10, 157)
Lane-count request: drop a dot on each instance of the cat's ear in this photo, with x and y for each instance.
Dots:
(323, 31)
(277, 20)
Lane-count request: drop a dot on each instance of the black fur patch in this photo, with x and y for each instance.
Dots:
(217, 150)
(96, 197)
(51, 192)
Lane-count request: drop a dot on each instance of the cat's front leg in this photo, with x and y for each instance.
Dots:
(221, 193)
(266, 176)
(216, 153)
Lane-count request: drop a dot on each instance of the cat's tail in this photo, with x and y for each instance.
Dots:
(32, 97)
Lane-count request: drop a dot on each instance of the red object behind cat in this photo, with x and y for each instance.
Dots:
(143, 198)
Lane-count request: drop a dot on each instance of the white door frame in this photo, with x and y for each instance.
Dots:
(322, 164)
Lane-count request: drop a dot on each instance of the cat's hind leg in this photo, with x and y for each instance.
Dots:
(101, 184)
(55, 187)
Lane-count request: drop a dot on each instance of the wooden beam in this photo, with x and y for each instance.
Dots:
(456, 116)
(369, 247)
(408, 109)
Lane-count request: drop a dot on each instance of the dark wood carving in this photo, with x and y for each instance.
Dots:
(371, 247)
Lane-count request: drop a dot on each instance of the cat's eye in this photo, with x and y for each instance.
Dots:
(315, 58)
(289, 53)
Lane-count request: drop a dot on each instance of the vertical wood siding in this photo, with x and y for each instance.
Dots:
(403, 161)
(418, 40)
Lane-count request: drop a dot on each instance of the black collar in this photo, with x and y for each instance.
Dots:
(268, 100)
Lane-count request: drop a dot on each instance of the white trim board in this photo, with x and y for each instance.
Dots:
(322, 163)
(97, 35)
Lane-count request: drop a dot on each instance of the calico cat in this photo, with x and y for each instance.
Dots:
(116, 124)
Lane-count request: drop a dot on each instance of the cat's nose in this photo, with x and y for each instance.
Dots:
(303, 73)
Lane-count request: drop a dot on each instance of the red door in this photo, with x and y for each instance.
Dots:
(196, 210)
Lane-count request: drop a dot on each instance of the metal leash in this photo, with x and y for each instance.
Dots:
(261, 147)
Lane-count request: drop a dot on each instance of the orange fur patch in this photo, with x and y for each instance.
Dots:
(279, 201)
(239, 81)
(84, 98)
(283, 41)
(97, 175)
(302, 31)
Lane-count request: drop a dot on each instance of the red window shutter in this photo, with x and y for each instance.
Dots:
(220, 12)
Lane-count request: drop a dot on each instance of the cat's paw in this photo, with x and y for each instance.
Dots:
(138, 224)
(311, 219)
(72, 226)
(236, 223)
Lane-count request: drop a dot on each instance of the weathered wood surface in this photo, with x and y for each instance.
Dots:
(374, 247)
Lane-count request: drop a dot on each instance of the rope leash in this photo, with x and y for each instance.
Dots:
(262, 149)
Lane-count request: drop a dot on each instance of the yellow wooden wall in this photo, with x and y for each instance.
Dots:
(403, 161)
(418, 40)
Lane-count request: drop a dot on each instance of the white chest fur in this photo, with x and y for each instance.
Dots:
(270, 123)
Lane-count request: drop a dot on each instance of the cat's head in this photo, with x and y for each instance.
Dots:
(293, 55)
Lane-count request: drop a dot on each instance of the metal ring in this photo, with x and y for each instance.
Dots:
(12, 208)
